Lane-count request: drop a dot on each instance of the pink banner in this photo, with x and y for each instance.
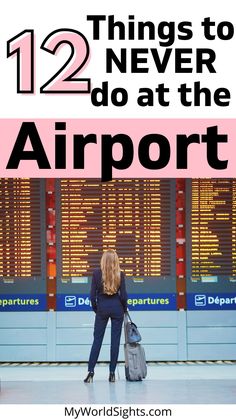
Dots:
(121, 148)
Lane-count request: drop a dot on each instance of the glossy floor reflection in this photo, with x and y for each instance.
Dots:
(177, 384)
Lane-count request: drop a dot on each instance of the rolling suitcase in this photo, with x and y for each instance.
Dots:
(135, 361)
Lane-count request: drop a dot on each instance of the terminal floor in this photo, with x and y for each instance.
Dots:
(175, 383)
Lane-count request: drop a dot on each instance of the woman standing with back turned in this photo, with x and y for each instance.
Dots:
(109, 300)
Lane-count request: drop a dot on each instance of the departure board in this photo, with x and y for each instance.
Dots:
(133, 216)
(21, 225)
(211, 233)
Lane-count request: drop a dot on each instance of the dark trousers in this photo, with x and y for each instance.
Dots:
(101, 321)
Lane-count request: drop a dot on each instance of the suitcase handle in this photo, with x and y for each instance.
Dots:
(135, 361)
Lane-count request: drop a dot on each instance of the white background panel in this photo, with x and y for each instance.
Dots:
(212, 335)
(211, 318)
(17, 319)
(24, 336)
(58, 15)
(22, 353)
(212, 352)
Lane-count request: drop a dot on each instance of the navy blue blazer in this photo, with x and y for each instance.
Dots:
(97, 290)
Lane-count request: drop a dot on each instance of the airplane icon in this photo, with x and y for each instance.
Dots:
(70, 301)
(200, 300)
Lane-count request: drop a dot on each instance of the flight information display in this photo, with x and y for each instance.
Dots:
(211, 234)
(22, 222)
(133, 216)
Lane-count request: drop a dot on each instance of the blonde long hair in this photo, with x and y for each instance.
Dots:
(110, 272)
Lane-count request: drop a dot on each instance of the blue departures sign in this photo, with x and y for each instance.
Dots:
(211, 301)
(23, 302)
(81, 302)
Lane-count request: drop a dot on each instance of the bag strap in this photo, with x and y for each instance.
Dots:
(128, 316)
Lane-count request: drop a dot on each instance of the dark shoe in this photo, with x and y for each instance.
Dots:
(89, 378)
(112, 377)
